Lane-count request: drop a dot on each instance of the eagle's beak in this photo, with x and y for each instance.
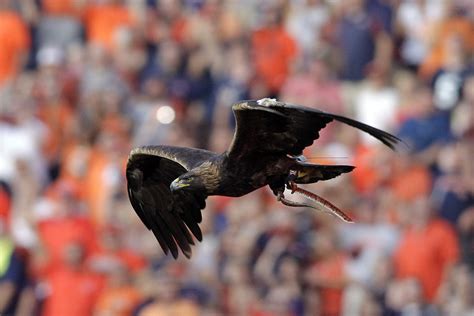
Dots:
(177, 184)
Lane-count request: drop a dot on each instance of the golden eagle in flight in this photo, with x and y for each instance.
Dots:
(168, 186)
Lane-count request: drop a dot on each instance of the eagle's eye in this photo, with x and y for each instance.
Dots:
(180, 183)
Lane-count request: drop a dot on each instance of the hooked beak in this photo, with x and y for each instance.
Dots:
(176, 185)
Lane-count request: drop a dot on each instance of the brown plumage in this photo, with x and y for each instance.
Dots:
(168, 185)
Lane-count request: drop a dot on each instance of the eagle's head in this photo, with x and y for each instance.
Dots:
(188, 181)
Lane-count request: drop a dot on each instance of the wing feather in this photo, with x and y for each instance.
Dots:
(171, 218)
(385, 137)
(192, 225)
(272, 128)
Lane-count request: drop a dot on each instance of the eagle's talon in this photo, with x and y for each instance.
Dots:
(290, 181)
(292, 186)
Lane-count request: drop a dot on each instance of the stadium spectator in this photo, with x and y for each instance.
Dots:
(376, 101)
(104, 22)
(456, 294)
(119, 296)
(415, 21)
(358, 35)
(312, 84)
(16, 295)
(424, 115)
(14, 42)
(273, 51)
(305, 22)
(60, 24)
(71, 288)
(454, 24)
(428, 249)
(327, 272)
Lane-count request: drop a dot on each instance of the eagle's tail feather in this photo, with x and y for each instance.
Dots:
(311, 173)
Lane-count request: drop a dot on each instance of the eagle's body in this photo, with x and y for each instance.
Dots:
(168, 185)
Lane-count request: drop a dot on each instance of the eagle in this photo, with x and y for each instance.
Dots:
(168, 185)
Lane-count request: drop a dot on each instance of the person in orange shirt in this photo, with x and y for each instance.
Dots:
(63, 7)
(104, 168)
(327, 273)
(14, 42)
(52, 108)
(427, 249)
(66, 225)
(119, 296)
(72, 289)
(112, 250)
(409, 180)
(366, 177)
(454, 25)
(273, 51)
(103, 21)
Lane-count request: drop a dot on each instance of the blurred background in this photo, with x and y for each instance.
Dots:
(84, 81)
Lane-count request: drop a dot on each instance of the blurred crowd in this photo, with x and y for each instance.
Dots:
(84, 81)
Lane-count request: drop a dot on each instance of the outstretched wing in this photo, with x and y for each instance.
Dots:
(150, 171)
(270, 127)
